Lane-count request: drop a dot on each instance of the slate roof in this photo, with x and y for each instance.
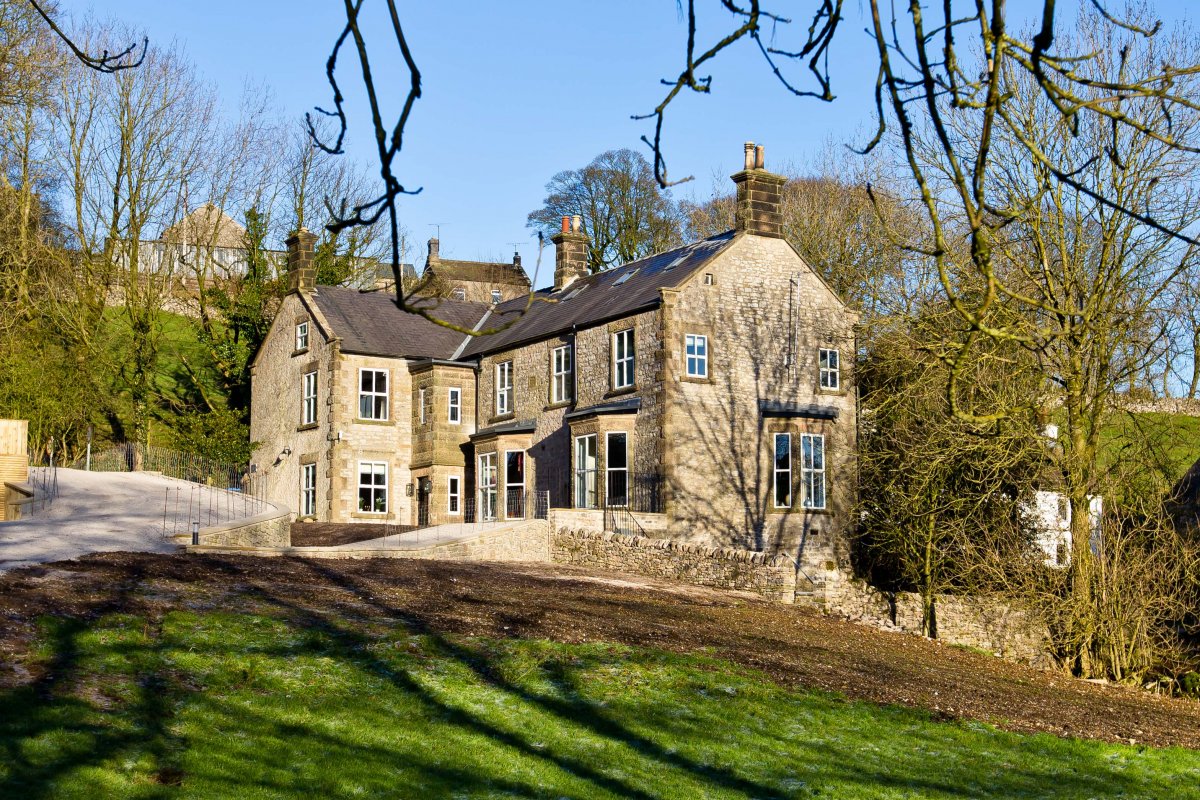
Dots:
(370, 323)
(607, 295)
(775, 408)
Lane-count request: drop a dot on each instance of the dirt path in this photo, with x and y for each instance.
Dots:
(794, 646)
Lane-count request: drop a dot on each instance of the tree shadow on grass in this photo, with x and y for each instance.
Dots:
(258, 744)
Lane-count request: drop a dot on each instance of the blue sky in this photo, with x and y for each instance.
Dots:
(514, 93)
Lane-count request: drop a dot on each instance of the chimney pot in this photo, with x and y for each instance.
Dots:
(566, 224)
(576, 223)
(759, 196)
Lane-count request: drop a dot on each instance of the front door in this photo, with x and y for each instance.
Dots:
(424, 490)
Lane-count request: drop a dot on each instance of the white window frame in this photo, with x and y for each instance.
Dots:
(777, 471)
(373, 487)
(524, 477)
(308, 489)
(562, 369)
(421, 405)
(453, 495)
(497, 296)
(695, 349)
(458, 293)
(504, 388)
(489, 489)
(301, 336)
(812, 469)
(308, 394)
(609, 469)
(585, 494)
(623, 359)
(454, 405)
(374, 393)
(829, 362)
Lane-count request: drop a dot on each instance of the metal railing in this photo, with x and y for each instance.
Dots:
(135, 457)
(191, 506)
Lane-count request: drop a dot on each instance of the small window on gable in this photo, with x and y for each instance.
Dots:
(459, 294)
(831, 369)
(708, 279)
(302, 336)
(495, 296)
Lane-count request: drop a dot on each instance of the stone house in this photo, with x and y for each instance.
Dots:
(703, 394)
(473, 281)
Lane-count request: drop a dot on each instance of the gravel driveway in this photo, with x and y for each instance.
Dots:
(98, 512)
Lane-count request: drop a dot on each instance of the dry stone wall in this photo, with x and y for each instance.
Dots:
(722, 568)
(272, 529)
(986, 623)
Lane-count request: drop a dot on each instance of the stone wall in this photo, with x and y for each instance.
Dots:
(271, 529)
(986, 623)
(722, 568)
(527, 541)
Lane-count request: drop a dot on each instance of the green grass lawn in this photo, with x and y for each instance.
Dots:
(242, 706)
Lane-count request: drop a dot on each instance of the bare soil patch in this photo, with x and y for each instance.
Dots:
(325, 534)
(794, 646)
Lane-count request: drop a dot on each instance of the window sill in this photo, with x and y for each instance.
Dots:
(801, 510)
(833, 392)
(695, 379)
(621, 391)
(502, 418)
(563, 404)
(370, 515)
(299, 352)
(360, 421)
(308, 426)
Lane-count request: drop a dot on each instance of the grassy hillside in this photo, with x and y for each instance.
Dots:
(276, 678)
(1156, 448)
(241, 705)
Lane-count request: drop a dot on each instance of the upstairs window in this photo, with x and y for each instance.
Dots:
(696, 348)
(454, 407)
(831, 372)
(561, 368)
(459, 294)
(504, 388)
(495, 296)
(622, 357)
(302, 336)
(373, 394)
(421, 406)
(308, 412)
(812, 469)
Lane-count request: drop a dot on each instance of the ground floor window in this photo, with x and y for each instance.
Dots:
(487, 486)
(373, 487)
(812, 469)
(308, 490)
(514, 484)
(585, 471)
(453, 494)
(783, 470)
(616, 462)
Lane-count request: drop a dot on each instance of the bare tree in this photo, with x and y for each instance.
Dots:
(625, 215)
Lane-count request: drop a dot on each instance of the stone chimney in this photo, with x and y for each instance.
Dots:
(434, 246)
(302, 272)
(759, 196)
(570, 253)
